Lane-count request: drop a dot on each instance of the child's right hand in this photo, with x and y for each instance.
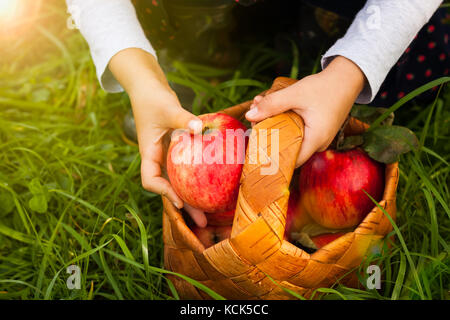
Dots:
(323, 100)
(157, 111)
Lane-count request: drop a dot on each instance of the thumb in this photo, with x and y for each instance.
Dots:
(183, 119)
(269, 105)
(306, 151)
(310, 145)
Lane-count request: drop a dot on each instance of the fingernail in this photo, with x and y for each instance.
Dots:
(252, 113)
(195, 125)
(176, 204)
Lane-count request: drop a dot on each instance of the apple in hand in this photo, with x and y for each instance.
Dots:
(331, 187)
(205, 169)
(210, 235)
(220, 218)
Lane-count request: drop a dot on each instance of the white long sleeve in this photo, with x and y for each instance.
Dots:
(378, 36)
(109, 26)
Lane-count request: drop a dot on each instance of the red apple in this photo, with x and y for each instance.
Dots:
(324, 239)
(331, 187)
(210, 235)
(205, 169)
(296, 218)
(220, 218)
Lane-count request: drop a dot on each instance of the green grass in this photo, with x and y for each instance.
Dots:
(70, 187)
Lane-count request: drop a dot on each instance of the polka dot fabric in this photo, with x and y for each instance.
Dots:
(190, 30)
(155, 22)
(426, 59)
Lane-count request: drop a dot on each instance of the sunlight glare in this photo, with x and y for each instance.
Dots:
(8, 8)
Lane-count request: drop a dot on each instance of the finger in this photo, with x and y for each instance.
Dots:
(197, 215)
(153, 182)
(269, 105)
(306, 151)
(183, 119)
(256, 99)
(310, 145)
(161, 186)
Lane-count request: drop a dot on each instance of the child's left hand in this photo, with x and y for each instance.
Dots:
(323, 100)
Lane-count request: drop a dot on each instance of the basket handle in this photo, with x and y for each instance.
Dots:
(266, 175)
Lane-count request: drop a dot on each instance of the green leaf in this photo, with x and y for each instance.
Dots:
(351, 142)
(314, 229)
(39, 200)
(38, 203)
(6, 204)
(386, 143)
(304, 240)
(370, 114)
(35, 187)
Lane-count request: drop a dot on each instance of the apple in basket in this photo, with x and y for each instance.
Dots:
(324, 239)
(205, 169)
(331, 185)
(221, 218)
(311, 243)
(296, 218)
(210, 235)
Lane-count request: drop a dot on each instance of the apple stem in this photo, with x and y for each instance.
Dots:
(205, 129)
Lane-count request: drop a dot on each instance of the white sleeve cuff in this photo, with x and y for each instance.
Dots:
(109, 26)
(374, 79)
(378, 36)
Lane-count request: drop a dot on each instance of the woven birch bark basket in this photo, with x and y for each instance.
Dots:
(256, 262)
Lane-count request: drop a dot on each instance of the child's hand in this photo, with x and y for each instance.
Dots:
(323, 100)
(157, 111)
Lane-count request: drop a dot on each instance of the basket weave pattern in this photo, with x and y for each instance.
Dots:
(237, 268)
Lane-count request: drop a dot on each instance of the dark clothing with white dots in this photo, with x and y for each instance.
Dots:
(198, 29)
